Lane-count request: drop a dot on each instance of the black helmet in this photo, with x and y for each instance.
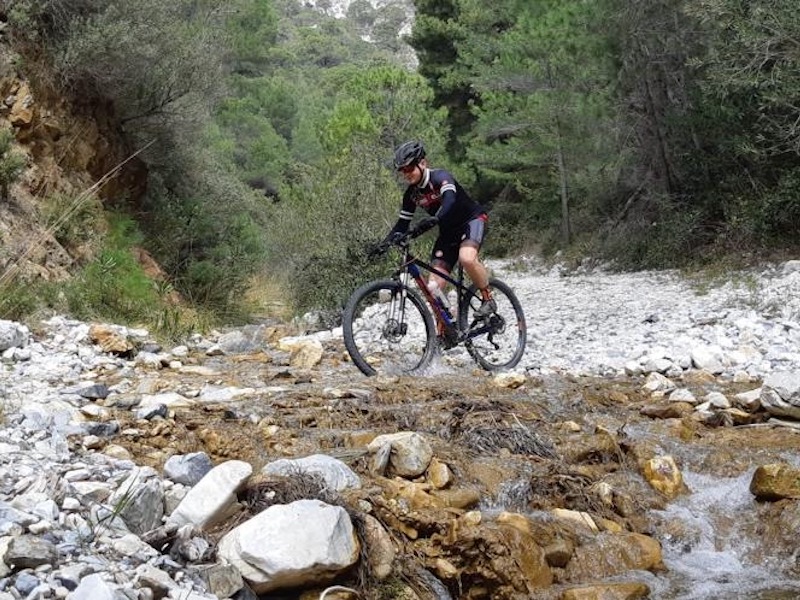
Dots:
(408, 154)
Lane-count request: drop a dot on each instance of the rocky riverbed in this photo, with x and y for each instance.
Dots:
(259, 462)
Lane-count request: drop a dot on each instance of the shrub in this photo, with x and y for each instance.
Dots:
(73, 220)
(11, 162)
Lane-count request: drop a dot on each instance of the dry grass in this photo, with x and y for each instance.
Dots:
(487, 427)
(266, 297)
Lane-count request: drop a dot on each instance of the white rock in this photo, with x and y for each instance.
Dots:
(336, 474)
(411, 452)
(213, 496)
(310, 542)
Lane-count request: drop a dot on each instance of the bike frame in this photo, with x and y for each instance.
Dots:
(413, 266)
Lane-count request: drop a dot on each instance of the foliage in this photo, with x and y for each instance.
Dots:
(159, 67)
(253, 31)
(11, 162)
(73, 221)
(652, 132)
(113, 285)
(19, 299)
(751, 68)
(544, 103)
(352, 199)
(205, 234)
(435, 37)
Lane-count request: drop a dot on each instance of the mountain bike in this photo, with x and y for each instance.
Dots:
(393, 327)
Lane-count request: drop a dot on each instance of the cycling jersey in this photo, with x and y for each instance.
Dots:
(442, 196)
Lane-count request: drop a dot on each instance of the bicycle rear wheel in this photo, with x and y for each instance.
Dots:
(497, 342)
(387, 329)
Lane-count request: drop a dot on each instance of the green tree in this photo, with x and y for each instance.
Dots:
(544, 86)
(351, 198)
(253, 32)
(749, 126)
(436, 35)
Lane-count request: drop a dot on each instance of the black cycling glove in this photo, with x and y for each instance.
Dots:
(424, 225)
(393, 238)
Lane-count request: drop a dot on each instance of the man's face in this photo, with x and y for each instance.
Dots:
(412, 174)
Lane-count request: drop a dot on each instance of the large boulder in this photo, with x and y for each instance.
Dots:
(303, 543)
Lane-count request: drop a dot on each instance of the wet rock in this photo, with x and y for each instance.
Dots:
(463, 498)
(594, 448)
(581, 518)
(411, 452)
(510, 380)
(609, 554)
(608, 591)
(559, 553)
(664, 475)
(439, 474)
(381, 553)
(775, 481)
(499, 559)
(673, 410)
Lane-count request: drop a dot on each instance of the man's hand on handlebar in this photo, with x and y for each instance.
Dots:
(379, 249)
(423, 226)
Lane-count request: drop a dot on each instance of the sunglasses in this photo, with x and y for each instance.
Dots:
(408, 169)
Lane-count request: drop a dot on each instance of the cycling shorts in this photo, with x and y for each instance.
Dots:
(446, 247)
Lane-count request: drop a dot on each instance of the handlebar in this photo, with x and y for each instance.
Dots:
(401, 240)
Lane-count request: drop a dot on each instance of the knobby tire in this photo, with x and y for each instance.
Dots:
(511, 338)
(384, 338)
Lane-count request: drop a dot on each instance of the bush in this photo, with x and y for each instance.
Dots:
(11, 162)
(74, 221)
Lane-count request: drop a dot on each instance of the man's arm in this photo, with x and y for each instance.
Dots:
(406, 213)
(446, 185)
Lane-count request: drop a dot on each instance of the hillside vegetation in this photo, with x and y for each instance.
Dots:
(660, 134)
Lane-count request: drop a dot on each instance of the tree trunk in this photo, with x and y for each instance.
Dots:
(566, 229)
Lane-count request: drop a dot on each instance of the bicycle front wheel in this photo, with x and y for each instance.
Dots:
(388, 330)
(497, 342)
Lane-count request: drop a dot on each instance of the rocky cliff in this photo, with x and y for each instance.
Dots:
(72, 162)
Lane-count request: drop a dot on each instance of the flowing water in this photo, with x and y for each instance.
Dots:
(719, 554)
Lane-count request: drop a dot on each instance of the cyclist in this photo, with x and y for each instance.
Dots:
(461, 220)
